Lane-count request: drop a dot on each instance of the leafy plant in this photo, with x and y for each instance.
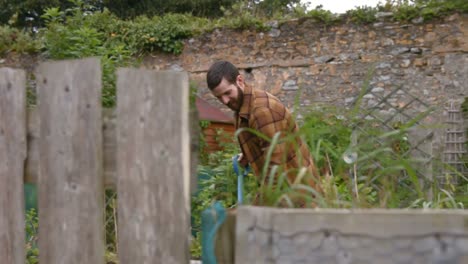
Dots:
(321, 15)
(241, 17)
(74, 36)
(16, 40)
(363, 14)
(32, 225)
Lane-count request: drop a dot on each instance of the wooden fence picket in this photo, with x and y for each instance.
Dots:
(70, 186)
(153, 166)
(12, 155)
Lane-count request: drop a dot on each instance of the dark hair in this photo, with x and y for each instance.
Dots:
(220, 70)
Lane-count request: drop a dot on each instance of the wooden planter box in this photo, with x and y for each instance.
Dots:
(272, 235)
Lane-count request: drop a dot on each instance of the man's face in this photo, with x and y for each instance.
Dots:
(230, 94)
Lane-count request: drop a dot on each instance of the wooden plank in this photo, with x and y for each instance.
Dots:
(70, 187)
(225, 242)
(109, 119)
(12, 156)
(153, 166)
(269, 235)
(109, 147)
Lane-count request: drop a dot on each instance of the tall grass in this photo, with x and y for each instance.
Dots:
(362, 164)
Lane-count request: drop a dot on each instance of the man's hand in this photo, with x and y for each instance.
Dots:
(242, 160)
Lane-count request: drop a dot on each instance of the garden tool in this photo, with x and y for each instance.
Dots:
(240, 178)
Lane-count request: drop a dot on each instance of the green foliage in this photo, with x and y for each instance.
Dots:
(241, 16)
(427, 9)
(131, 9)
(321, 15)
(363, 14)
(217, 182)
(32, 225)
(16, 40)
(73, 34)
(406, 12)
(268, 8)
(144, 34)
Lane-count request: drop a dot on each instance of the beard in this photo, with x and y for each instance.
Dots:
(236, 104)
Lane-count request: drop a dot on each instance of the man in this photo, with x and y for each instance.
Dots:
(258, 110)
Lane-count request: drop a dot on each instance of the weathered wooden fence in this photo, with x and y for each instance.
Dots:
(61, 146)
(72, 148)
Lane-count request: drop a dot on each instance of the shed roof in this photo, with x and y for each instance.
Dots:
(209, 112)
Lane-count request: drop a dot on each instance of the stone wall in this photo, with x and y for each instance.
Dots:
(330, 64)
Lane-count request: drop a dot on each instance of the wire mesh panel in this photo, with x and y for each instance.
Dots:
(268, 235)
(401, 119)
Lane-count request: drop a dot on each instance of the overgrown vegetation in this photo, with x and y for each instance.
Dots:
(356, 170)
(361, 164)
(32, 225)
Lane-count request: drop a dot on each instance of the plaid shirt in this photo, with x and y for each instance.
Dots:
(264, 113)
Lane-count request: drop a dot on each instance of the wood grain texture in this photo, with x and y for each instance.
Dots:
(225, 243)
(12, 156)
(153, 166)
(70, 186)
(109, 118)
(273, 235)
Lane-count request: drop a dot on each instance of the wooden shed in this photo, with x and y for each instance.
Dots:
(221, 126)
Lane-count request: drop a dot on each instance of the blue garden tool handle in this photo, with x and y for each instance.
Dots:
(240, 178)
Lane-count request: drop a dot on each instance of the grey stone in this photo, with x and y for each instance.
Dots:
(435, 61)
(405, 63)
(274, 33)
(388, 42)
(175, 67)
(384, 65)
(2, 61)
(349, 100)
(400, 92)
(384, 113)
(384, 78)
(323, 59)
(348, 56)
(372, 103)
(290, 85)
(378, 24)
(399, 50)
(368, 96)
(416, 50)
(378, 90)
(273, 24)
(383, 14)
(417, 20)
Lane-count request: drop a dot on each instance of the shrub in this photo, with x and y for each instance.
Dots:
(15, 40)
(363, 14)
